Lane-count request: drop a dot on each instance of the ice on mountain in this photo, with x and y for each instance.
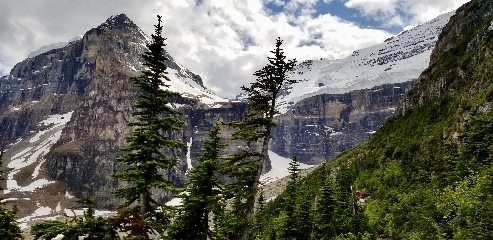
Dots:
(53, 46)
(399, 59)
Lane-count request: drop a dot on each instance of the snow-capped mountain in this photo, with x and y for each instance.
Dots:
(399, 59)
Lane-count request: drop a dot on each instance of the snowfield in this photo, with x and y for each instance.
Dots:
(399, 59)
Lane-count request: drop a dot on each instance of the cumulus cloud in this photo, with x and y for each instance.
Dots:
(225, 42)
(403, 13)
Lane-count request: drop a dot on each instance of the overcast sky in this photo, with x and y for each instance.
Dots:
(224, 41)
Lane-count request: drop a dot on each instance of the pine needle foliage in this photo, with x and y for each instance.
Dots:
(203, 196)
(246, 166)
(145, 158)
(9, 229)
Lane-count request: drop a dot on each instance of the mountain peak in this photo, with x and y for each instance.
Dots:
(118, 21)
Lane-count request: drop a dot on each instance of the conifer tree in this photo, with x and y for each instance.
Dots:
(288, 228)
(145, 158)
(259, 218)
(202, 199)
(325, 222)
(255, 128)
(9, 229)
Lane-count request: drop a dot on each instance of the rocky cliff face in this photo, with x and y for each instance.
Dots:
(320, 127)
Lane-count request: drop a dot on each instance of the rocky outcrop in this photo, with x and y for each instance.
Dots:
(462, 49)
(320, 127)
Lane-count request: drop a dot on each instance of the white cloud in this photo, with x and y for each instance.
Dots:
(403, 12)
(222, 41)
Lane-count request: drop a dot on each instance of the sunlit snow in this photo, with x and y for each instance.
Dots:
(39, 145)
(399, 59)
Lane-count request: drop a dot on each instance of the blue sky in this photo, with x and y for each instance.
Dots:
(222, 41)
(337, 8)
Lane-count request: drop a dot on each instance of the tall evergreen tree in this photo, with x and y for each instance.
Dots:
(255, 128)
(203, 193)
(259, 218)
(288, 218)
(325, 221)
(145, 158)
(9, 229)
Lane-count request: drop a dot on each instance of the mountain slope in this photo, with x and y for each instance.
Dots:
(89, 79)
(399, 59)
(427, 173)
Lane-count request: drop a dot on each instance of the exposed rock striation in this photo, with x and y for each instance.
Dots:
(320, 127)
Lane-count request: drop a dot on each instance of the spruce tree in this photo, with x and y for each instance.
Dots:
(9, 229)
(145, 159)
(325, 221)
(259, 218)
(292, 206)
(202, 198)
(255, 128)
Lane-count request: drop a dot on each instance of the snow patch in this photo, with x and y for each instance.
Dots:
(183, 84)
(174, 202)
(279, 169)
(67, 195)
(52, 46)
(189, 159)
(38, 146)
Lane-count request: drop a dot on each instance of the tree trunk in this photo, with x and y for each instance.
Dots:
(251, 199)
(143, 203)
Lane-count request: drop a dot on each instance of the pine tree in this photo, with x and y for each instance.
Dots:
(259, 218)
(325, 221)
(289, 220)
(203, 193)
(145, 158)
(9, 229)
(255, 128)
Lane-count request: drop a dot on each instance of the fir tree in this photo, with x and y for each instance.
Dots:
(259, 218)
(255, 128)
(202, 199)
(9, 229)
(325, 221)
(145, 158)
(288, 216)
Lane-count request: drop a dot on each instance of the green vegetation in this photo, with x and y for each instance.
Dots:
(427, 173)
(9, 229)
(88, 226)
(145, 159)
(202, 201)
(255, 127)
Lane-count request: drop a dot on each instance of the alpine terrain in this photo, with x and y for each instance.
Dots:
(64, 111)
